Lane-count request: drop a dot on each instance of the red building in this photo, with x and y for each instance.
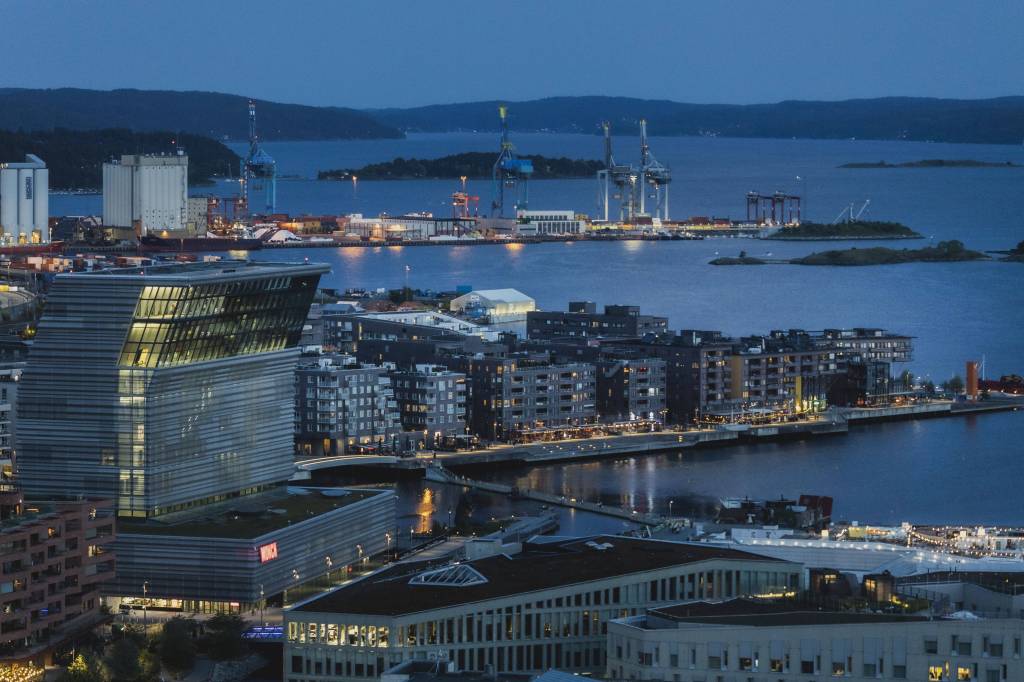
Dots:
(53, 558)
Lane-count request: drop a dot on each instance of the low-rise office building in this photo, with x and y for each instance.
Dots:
(502, 310)
(547, 606)
(236, 556)
(582, 321)
(516, 394)
(54, 556)
(431, 400)
(343, 406)
(751, 640)
(549, 223)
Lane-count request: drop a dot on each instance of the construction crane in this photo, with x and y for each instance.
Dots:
(851, 217)
(623, 176)
(259, 171)
(510, 172)
(654, 174)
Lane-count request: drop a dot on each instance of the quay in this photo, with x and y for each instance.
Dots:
(835, 421)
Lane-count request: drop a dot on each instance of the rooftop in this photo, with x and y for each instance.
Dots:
(752, 613)
(539, 566)
(188, 273)
(249, 518)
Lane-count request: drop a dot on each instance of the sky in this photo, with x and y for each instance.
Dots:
(368, 54)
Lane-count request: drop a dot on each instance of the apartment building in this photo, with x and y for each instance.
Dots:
(520, 393)
(343, 406)
(54, 556)
(431, 400)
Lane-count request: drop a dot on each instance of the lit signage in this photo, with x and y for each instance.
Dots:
(268, 552)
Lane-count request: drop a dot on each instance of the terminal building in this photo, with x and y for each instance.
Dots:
(25, 201)
(741, 639)
(547, 606)
(169, 389)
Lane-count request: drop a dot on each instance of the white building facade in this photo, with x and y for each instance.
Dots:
(25, 201)
(534, 223)
(712, 642)
(146, 192)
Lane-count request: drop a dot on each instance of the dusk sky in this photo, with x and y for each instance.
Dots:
(405, 53)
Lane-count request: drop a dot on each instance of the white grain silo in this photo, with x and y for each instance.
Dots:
(146, 192)
(25, 201)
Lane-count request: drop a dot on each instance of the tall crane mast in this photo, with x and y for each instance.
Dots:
(509, 171)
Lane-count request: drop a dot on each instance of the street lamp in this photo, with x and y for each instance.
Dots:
(262, 603)
(329, 563)
(387, 544)
(670, 508)
(145, 605)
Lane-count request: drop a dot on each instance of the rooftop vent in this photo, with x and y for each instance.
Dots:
(457, 575)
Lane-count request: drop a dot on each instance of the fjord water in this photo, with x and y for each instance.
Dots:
(945, 470)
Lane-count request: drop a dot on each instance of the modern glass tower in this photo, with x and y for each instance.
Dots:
(164, 387)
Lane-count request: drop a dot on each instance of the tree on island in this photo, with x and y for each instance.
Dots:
(929, 387)
(955, 385)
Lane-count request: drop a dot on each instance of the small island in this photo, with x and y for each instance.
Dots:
(952, 251)
(856, 229)
(1014, 255)
(935, 163)
(469, 164)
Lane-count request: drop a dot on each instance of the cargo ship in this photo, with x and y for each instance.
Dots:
(151, 244)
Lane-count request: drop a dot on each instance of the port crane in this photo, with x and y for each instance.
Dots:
(623, 176)
(654, 174)
(509, 172)
(258, 172)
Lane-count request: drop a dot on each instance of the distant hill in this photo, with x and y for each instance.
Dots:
(202, 113)
(469, 164)
(75, 157)
(993, 121)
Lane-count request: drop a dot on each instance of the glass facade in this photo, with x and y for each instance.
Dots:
(164, 388)
(178, 325)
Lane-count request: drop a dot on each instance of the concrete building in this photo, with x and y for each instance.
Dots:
(543, 223)
(25, 201)
(431, 400)
(582, 321)
(343, 406)
(630, 389)
(147, 193)
(546, 606)
(517, 394)
(754, 640)
(54, 556)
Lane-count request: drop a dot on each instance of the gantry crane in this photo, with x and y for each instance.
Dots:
(509, 171)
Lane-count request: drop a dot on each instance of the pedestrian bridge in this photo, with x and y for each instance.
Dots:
(305, 466)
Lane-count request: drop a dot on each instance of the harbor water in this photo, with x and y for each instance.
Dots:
(955, 470)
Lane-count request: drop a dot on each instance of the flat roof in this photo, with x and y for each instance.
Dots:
(249, 518)
(200, 271)
(755, 613)
(540, 566)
